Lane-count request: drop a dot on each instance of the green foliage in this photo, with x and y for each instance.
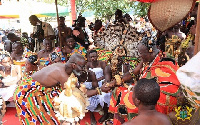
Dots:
(60, 2)
(105, 9)
(63, 2)
(141, 9)
(82, 5)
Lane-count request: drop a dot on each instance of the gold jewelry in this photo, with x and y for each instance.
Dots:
(118, 79)
(98, 90)
(131, 72)
(130, 87)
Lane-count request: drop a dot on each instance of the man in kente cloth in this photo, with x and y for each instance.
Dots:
(163, 69)
(34, 97)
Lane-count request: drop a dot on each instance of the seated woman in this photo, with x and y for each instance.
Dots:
(11, 75)
(17, 54)
(31, 67)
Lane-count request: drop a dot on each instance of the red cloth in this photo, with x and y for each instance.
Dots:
(165, 73)
(145, 1)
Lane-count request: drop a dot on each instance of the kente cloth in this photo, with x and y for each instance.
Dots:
(60, 54)
(189, 77)
(104, 55)
(47, 61)
(165, 73)
(78, 49)
(132, 61)
(34, 103)
(122, 106)
(25, 55)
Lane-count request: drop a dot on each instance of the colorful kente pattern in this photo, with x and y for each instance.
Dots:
(122, 106)
(78, 49)
(34, 103)
(104, 55)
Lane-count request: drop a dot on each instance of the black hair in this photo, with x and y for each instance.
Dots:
(18, 43)
(92, 51)
(147, 91)
(33, 17)
(127, 17)
(70, 36)
(98, 22)
(118, 12)
(61, 17)
(11, 35)
(33, 59)
(149, 42)
(81, 19)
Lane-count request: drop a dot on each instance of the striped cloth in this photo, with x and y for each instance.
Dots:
(34, 103)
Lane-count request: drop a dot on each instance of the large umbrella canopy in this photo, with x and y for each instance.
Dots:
(44, 10)
(16, 9)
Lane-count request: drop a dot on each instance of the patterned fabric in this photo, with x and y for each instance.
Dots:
(34, 103)
(78, 49)
(165, 73)
(104, 55)
(47, 61)
(189, 77)
(122, 106)
(132, 61)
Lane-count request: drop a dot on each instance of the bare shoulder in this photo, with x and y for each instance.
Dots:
(40, 53)
(133, 122)
(50, 75)
(53, 69)
(102, 63)
(88, 65)
(164, 119)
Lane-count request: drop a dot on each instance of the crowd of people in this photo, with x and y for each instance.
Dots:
(137, 85)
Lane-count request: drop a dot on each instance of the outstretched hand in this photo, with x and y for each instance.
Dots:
(106, 87)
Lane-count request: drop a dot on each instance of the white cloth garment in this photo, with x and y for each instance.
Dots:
(105, 97)
(189, 77)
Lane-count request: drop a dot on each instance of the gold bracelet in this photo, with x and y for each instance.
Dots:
(118, 79)
(98, 90)
(130, 87)
(131, 72)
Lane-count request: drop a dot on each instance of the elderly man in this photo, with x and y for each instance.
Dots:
(41, 30)
(34, 96)
(163, 69)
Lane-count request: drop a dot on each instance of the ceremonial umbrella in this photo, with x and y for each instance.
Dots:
(145, 1)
